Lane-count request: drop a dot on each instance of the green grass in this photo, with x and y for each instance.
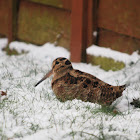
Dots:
(12, 51)
(106, 63)
(108, 110)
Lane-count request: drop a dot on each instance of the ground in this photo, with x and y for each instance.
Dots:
(31, 113)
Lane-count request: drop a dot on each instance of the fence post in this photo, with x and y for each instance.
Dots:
(78, 30)
(81, 29)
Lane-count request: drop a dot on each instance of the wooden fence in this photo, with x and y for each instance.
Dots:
(71, 23)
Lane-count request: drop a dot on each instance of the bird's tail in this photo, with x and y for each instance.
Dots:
(124, 87)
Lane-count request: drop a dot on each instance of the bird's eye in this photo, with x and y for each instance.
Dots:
(56, 62)
(67, 62)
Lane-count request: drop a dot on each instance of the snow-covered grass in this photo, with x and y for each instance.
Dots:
(31, 113)
(109, 53)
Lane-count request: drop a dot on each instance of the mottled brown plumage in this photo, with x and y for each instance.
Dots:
(68, 84)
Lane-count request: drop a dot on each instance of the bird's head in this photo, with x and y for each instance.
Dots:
(59, 66)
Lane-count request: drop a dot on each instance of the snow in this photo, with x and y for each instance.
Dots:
(31, 113)
(118, 56)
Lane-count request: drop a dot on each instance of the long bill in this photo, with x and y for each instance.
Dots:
(46, 76)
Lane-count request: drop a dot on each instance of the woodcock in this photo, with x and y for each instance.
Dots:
(69, 84)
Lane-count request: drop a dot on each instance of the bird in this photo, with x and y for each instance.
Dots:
(69, 83)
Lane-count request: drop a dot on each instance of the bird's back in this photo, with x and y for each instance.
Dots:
(76, 84)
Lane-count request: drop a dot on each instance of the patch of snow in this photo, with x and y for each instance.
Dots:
(47, 50)
(109, 53)
(35, 113)
(3, 43)
(95, 33)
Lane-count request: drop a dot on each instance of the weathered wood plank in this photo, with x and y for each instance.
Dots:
(8, 14)
(65, 4)
(15, 6)
(90, 25)
(39, 24)
(121, 16)
(118, 41)
(92, 21)
(3, 17)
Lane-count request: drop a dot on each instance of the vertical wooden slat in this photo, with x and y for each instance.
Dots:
(90, 23)
(95, 4)
(79, 30)
(10, 33)
(3, 17)
(15, 18)
(12, 16)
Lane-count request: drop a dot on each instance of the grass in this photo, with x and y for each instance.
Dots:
(108, 110)
(10, 51)
(106, 63)
(28, 110)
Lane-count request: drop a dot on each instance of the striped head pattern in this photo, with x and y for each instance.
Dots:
(59, 65)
